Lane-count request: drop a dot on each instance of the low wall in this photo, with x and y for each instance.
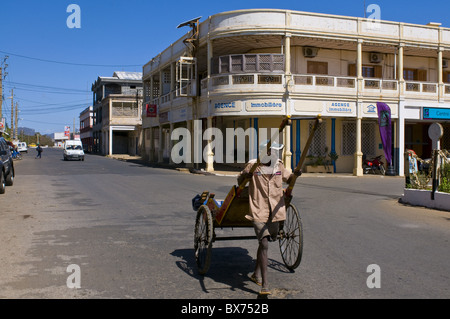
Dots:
(420, 197)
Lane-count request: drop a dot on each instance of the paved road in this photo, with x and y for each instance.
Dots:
(129, 228)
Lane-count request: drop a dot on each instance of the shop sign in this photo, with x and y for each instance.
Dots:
(264, 106)
(67, 131)
(151, 110)
(234, 106)
(340, 107)
(179, 115)
(164, 117)
(431, 113)
(371, 109)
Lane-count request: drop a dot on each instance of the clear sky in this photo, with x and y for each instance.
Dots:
(123, 36)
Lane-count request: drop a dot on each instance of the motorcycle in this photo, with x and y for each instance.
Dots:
(374, 165)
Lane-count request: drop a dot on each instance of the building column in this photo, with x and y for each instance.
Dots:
(287, 147)
(255, 150)
(210, 56)
(190, 160)
(401, 138)
(401, 80)
(160, 142)
(440, 75)
(359, 74)
(110, 141)
(357, 170)
(288, 76)
(151, 147)
(298, 150)
(209, 152)
(170, 143)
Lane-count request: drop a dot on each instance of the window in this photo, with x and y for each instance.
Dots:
(415, 75)
(409, 74)
(368, 71)
(319, 142)
(348, 138)
(368, 130)
(315, 67)
(127, 109)
(446, 77)
(248, 63)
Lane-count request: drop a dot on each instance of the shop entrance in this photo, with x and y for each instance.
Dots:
(417, 139)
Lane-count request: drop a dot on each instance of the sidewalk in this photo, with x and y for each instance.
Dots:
(222, 169)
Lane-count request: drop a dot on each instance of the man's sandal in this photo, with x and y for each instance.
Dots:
(255, 280)
(265, 291)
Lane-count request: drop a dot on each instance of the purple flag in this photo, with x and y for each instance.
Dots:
(384, 123)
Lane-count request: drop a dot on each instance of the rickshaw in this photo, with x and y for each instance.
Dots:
(230, 212)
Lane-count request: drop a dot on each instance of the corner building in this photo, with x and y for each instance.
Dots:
(249, 68)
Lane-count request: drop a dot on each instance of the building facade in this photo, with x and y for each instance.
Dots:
(250, 68)
(86, 123)
(117, 113)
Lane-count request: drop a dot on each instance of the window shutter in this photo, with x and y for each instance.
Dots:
(378, 71)
(422, 75)
(352, 70)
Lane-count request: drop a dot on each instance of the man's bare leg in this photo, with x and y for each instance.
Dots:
(262, 261)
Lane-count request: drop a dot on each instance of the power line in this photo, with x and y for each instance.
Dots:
(45, 87)
(49, 123)
(50, 92)
(47, 104)
(71, 63)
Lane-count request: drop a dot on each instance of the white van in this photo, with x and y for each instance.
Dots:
(73, 149)
(22, 147)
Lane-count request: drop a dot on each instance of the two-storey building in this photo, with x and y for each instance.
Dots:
(117, 108)
(86, 122)
(249, 68)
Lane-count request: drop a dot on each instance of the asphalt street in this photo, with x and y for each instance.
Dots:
(129, 229)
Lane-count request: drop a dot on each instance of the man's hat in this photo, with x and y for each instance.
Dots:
(274, 145)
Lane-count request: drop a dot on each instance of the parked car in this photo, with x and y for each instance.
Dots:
(22, 147)
(73, 149)
(6, 166)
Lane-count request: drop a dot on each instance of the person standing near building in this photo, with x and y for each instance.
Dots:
(267, 206)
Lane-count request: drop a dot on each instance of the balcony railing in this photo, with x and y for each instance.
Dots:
(380, 84)
(310, 83)
(325, 80)
(244, 79)
(421, 87)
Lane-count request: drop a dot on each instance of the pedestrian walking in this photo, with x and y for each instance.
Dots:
(267, 205)
(39, 151)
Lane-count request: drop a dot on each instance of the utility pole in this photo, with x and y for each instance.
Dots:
(12, 113)
(16, 136)
(1, 91)
(3, 67)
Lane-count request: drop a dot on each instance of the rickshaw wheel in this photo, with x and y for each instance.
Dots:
(203, 239)
(291, 239)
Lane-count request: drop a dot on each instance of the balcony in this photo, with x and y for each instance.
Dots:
(249, 83)
(313, 84)
(324, 84)
(321, 85)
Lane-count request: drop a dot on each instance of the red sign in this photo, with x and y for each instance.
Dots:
(151, 110)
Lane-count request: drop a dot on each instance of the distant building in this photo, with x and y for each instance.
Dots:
(59, 139)
(86, 123)
(117, 113)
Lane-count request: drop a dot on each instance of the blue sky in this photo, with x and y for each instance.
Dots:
(124, 35)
